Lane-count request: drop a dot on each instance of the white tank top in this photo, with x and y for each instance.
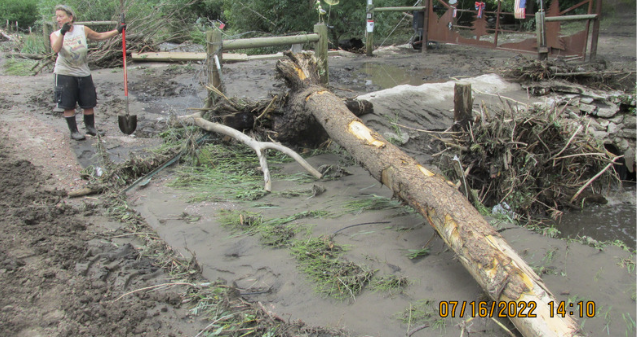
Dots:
(72, 58)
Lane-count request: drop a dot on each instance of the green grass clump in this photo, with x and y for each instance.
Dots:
(19, 67)
(320, 259)
(413, 254)
(241, 221)
(422, 312)
(392, 284)
(277, 232)
(371, 203)
(229, 173)
(34, 44)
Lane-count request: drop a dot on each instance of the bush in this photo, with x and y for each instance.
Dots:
(25, 12)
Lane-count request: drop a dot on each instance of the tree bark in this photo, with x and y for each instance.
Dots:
(483, 252)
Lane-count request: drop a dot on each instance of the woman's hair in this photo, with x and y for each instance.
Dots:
(69, 11)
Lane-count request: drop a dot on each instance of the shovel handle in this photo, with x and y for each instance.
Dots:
(124, 57)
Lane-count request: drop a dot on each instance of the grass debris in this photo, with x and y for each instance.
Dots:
(321, 259)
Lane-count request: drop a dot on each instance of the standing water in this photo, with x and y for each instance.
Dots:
(387, 76)
(614, 221)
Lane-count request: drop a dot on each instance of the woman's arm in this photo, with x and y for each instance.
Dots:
(93, 35)
(57, 40)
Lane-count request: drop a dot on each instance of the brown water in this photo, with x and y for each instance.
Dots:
(616, 221)
(388, 76)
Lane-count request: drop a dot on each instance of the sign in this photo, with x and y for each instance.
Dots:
(369, 2)
(370, 26)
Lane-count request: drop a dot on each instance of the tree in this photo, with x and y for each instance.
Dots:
(24, 12)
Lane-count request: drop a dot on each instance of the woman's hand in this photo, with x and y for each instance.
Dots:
(65, 28)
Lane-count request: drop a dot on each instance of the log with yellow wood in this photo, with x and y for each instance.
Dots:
(484, 253)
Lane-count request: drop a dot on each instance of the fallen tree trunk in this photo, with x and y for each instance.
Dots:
(484, 253)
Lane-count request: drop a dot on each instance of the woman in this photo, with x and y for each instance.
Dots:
(73, 81)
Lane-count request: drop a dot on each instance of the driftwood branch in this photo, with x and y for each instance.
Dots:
(257, 146)
(28, 56)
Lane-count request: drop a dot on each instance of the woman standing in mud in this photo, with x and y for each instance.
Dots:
(73, 80)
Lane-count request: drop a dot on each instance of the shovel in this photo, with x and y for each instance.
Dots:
(128, 122)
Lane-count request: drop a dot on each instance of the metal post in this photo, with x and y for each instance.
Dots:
(369, 31)
(320, 50)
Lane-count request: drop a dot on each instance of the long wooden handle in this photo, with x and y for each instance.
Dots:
(125, 72)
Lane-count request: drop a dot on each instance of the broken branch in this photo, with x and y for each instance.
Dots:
(257, 146)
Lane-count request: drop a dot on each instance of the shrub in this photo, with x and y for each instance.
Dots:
(25, 12)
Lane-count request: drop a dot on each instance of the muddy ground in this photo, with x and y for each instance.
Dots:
(68, 269)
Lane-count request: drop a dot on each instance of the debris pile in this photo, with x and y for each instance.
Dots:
(592, 74)
(532, 160)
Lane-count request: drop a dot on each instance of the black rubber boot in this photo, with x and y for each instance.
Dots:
(73, 128)
(89, 124)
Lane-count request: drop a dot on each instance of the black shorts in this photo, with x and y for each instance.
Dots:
(70, 90)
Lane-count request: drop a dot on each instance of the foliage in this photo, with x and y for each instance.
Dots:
(160, 19)
(18, 67)
(347, 19)
(23, 11)
(270, 16)
(34, 44)
(94, 10)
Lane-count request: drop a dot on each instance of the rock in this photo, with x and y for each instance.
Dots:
(629, 133)
(601, 135)
(612, 128)
(586, 100)
(607, 111)
(595, 125)
(617, 119)
(588, 109)
(629, 157)
(630, 121)
(573, 115)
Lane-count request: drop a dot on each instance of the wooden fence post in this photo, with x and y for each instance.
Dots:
(425, 28)
(462, 105)
(540, 27)
(320, 51)
(214, 50)
(595, 37)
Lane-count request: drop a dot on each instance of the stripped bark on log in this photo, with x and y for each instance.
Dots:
(498, 269)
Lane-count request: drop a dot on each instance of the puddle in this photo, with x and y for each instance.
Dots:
(387, 76)
(602, 223)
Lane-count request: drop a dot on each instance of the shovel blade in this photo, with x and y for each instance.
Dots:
(127, 123)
